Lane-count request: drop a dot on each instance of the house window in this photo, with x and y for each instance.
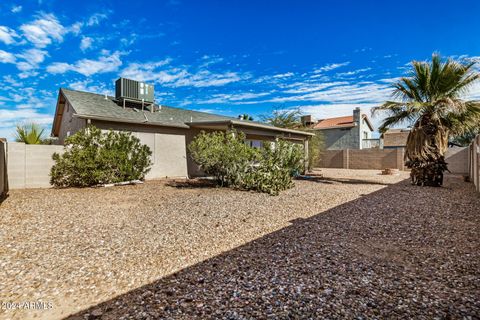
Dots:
(365, 135)
(254, 143)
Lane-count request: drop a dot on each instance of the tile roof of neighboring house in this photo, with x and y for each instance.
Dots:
(339, 122)
(97, 106)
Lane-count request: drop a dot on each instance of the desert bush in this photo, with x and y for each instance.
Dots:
(225, 156)
(93, 157)
(278, 163)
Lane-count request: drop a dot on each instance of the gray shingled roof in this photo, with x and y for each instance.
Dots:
(96, 106)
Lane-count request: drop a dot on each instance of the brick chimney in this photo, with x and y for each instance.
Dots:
(357, 115)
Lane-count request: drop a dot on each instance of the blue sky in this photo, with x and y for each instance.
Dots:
(227, 57)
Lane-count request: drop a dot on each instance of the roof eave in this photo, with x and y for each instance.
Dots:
(249, 124)
(152, 123)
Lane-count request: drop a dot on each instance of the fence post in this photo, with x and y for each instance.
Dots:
(346, 159)
(399, 154)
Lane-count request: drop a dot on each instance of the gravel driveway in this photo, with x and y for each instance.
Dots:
(348, 245)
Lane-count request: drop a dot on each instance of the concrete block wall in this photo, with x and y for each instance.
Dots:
(379, 159)
(474, 162)
(28, 166)
(374, 159)
(457, 160)
(3, 169)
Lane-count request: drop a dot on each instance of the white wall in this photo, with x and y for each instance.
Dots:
(169, 154)
(28, 166)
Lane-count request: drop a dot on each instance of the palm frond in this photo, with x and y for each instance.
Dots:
(30, 133)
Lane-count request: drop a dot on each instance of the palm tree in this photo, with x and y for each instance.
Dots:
(30, 133)
(430, 98)
(284, 118)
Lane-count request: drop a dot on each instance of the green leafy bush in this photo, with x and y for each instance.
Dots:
(225, 156)
(92, 157)
(278, 163)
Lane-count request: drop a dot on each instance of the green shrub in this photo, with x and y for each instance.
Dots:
(92, 157)
(225, 156)
(279, 162)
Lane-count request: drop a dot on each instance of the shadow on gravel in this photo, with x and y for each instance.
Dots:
(400, 252)
(192, 184)
(327, 180)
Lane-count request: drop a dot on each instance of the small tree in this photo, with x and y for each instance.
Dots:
(92, 157)
(283, 118)
(30, 133)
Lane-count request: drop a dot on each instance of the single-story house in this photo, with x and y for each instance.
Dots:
(166, 130)
(395, 138)
(349, 132)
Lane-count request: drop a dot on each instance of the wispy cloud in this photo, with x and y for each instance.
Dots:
(179, 76)
(331, 66)
(44, 30)
(353, 72)
(6, 57)
(7, 35)
(107, 62)
(86, 43)
(91, 86)
(235, 98)
(16, 9)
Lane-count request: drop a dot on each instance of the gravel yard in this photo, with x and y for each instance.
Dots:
(350, 244)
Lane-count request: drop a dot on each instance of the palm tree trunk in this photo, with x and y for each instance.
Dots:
(425, 153)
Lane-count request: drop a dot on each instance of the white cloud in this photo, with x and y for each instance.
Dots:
(96, 18)
(205, 78)
(76, 28)
(304, 87)
(43, 30)
(6, 57)
(352, 73)
(86, 43)
(323, 111)
(178, 76)
(10, 118)
(16, 9)
(107, 62)
(87, 85)
(350, 93)
(331, 66)
(238, 98)
(7, 35)
(209, 60)
(31, 59)
(283, 75)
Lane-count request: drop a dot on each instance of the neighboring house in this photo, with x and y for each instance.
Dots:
(350, 132)
(395, 138)
(166, 130)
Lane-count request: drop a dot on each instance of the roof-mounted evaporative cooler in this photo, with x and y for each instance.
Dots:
(131, 90)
